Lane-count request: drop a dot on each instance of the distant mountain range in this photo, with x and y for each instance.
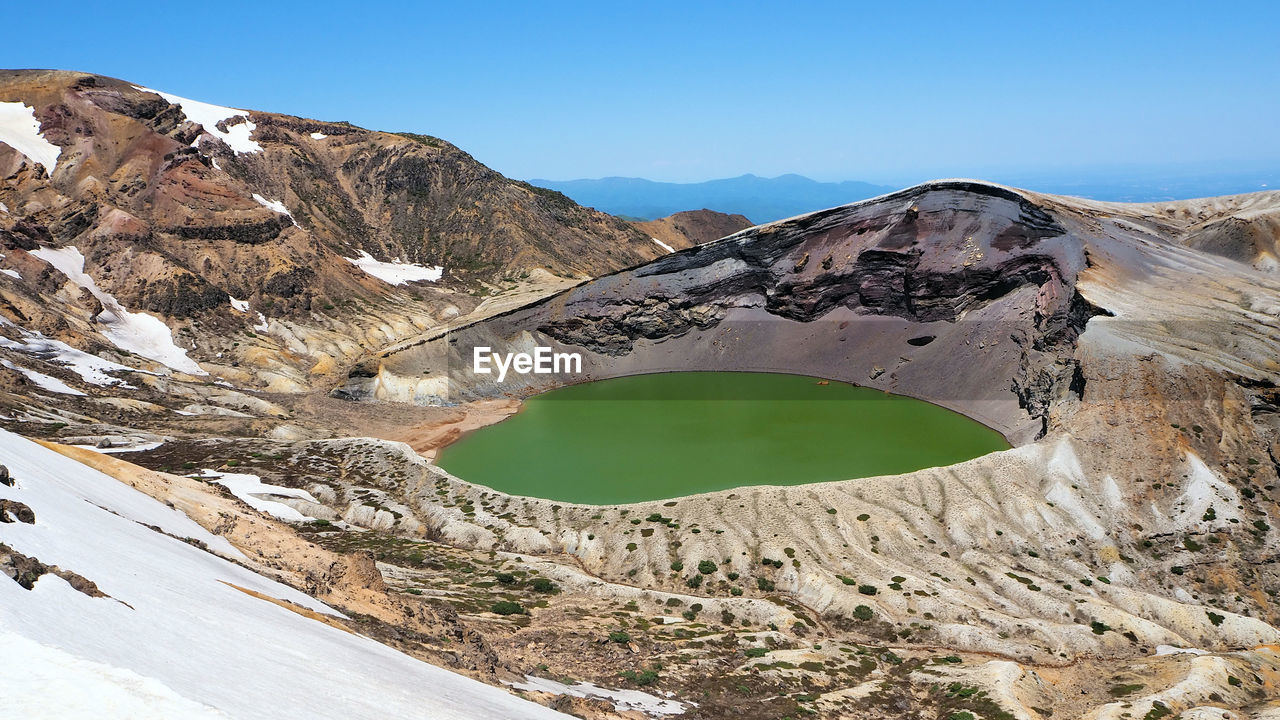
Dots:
(766, 199)
(760, 199)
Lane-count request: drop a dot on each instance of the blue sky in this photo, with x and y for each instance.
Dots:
(684, 91)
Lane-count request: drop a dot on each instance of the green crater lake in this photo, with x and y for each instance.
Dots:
(652, 437)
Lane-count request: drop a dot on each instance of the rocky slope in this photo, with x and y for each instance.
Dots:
(1120, 561)
(266, 242)
(1130, 359)
(692, 227)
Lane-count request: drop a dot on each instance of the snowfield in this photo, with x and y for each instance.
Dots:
(139, 333)
(250, 489)
(174, 639)
(20, 130)
(395, 273)
(623, 700)
(665, 246)
(237, 136)
(91, 368)
(50, 383)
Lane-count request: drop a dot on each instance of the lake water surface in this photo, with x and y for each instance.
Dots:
(651, 437)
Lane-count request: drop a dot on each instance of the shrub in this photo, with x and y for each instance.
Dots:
(619, 637)
(732, 576)
(506, 607)
(735, 591)
(1215, 618)
(864, 517)
(862, 612)
(1099, 627)
(694, 581)
(756, 652)
(867, 589)
(644, 677)
(764, 585)
(677, 566)
(706, 567)
(543, 585)
(505, 578)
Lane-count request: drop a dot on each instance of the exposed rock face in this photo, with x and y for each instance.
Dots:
(693, 227)
(899, 282)
(172, 220)
(26, 571)
(1135, 370)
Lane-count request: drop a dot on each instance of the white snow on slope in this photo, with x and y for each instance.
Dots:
(275, 205)
(623, 700)
(1173, 650)
(50, 683)
(91, 368)
(186, 640)
(240, 305)
(318, 136)
(139, 333)
(250, 489)
(115, 450)
(665, 246)
(4, 208)
(11, 273)
(48, 382)
(395, 273)
(20, 130)
(237, 136)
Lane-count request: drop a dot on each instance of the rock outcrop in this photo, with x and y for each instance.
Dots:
(692, 227)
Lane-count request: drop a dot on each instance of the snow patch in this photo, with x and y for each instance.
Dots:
(4, 208)
(318, 136)
(665, 246)
(139, 333)
(20, 130)
(250, 489)
(240, 305)
(91, 368)
(262, 325)
(11, 273)
(237, 136)
(186, 632)
(1174, 650)
(114, 450)
(623, 700)
(395, 273)
(276, 206)
(50, 383)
